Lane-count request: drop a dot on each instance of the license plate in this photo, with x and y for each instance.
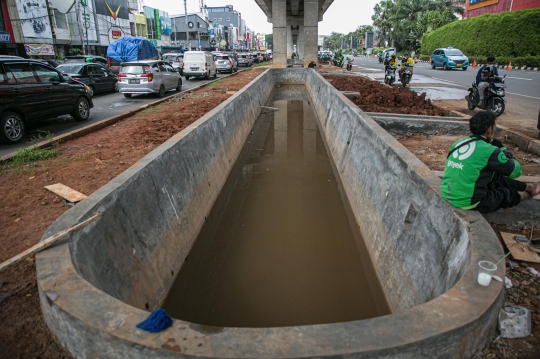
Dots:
(458, 65)
(194, 68)
(221, 62)
(134, 81)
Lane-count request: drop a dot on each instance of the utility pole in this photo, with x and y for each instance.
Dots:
(79, 25)
(187, 35)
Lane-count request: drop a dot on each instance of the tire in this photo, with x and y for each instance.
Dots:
(82, 110)
(496, 107)
(115, 87)
(464, 68)
(386, 80)
(207, 76)
(179, 87)
(432, 64)
(127, 95)
(470, 106)
(445, 68)
(187, 78)
(12, 127)
(215, 74)
(161, 92)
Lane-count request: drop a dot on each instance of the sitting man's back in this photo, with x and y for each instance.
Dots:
(479, 171)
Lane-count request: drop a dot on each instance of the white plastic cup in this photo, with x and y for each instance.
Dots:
(485, 271)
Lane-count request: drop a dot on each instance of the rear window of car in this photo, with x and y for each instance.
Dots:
(135, 69)
(244, 56)
(20, 73)
(71, 69)
(222, 57)
(194, 57)
(171, 57)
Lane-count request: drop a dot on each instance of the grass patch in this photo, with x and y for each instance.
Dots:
(27, 159)
(218, 82)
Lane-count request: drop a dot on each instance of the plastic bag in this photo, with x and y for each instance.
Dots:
(514, 322)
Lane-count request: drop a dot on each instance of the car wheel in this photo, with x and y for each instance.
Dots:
(187, 78)
(464, 68)
(82, 110)
(161, 92)
(127, 95)
(12, 127)
(207, 76)
(179, 87)
(215, 74)
(445, 68)
(432, 64)
(115, 87)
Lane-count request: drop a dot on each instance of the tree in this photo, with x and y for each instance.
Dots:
(333, 42)
(269, 38)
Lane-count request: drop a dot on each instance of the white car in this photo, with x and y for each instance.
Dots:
(199, 64)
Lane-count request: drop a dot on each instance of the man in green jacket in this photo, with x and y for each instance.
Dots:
(479, 171)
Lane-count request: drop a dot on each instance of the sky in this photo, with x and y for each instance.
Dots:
(342, 16)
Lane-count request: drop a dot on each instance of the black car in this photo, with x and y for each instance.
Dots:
(98, 78)
(87, 58)
(31, 90)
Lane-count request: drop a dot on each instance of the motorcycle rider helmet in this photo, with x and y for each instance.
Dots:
(405, 53)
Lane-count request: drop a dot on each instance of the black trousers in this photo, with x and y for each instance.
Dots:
(502, 193)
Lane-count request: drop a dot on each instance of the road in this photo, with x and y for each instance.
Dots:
(105, 105)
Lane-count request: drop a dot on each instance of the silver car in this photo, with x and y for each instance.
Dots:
(148, 76)
(245, 59)
(226, 63)
(176, 60)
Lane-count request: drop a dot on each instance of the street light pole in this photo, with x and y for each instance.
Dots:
(187, 35)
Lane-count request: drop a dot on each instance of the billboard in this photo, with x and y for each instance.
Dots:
(166, 27)
(261, 42)
(32, 49)
(34, 18)
(114, 8)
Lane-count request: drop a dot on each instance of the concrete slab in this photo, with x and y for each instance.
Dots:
(440, 93)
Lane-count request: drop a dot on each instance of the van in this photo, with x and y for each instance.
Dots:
(199, 64)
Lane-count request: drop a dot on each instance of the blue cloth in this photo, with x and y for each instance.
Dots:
(156, 322)
(131, 49)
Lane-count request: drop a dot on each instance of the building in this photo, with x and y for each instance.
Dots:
(480, 7)
(159, 26)
(198, 31)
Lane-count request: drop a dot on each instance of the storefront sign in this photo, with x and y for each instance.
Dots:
(157, 24)
(34, 50)
(116, 34)
(117, 9)
(5, 36)
(34, 18)
(166, 27)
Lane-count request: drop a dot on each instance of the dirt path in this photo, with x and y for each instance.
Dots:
(85, 164)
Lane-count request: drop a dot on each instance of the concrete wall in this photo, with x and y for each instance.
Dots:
(94, 288)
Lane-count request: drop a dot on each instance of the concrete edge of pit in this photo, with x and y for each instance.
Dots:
(108, 121)
(452, 325)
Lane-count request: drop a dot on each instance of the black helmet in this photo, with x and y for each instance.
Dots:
(405, 53)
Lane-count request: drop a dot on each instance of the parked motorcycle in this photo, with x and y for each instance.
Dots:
(390, 75)
(349, 64)
(494, 101)
(406, 75)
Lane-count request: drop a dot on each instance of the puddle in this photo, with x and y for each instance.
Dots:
(278, 248)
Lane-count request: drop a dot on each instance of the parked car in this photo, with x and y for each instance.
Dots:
(199, 64)
(254, 57)
(176, 60)
(245, 59)
(95, 76)
(31, 90)
(449, 58)
(86, 58)
(226, 63)
(148, 76)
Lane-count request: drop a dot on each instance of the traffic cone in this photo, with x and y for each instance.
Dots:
(474, 64)
(429, 60)
(509, 68)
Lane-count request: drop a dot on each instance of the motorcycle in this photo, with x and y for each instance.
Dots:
(380, 59)
(494, 101)
(406, 75)
(349, 64)
(390, 75)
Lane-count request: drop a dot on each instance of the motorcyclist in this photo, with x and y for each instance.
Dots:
(484, 77)
(392, 62)
(405, 60)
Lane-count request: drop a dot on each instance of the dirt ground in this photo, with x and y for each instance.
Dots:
(84, 164)
(377, 97)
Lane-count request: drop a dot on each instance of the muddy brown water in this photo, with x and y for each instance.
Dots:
(278, 248)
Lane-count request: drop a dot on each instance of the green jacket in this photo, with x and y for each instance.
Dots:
(470, 169)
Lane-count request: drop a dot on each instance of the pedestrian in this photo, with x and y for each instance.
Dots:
(479, 171)
(312, 65)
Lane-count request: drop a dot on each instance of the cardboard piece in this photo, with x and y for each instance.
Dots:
(519, 252)
(66, 192)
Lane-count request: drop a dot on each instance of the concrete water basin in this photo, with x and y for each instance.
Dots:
(423, 254)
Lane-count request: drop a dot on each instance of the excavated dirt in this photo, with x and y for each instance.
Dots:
(84, 164)
(377, 97)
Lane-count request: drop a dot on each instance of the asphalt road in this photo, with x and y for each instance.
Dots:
(105, 105)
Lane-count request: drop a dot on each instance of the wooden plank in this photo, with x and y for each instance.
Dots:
(68, 193)
(47, 242)
(519, 252)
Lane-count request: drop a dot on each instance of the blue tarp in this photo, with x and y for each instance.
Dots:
(131, 49)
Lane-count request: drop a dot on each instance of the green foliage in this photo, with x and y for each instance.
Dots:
(333, 41)
(269, 38)
(511, 36)
(27, 159)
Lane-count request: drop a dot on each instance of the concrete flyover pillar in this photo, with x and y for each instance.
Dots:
(279, 22)
(301, 42)
(289, 42)
(311, 23)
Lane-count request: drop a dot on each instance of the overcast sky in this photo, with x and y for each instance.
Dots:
(342, 16)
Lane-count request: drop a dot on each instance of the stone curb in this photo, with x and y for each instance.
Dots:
(502, 66)
(108, 121)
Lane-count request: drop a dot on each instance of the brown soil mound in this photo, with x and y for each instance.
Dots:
(377, 97)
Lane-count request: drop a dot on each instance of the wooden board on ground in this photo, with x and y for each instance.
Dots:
(520, 253)
(66, 192)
